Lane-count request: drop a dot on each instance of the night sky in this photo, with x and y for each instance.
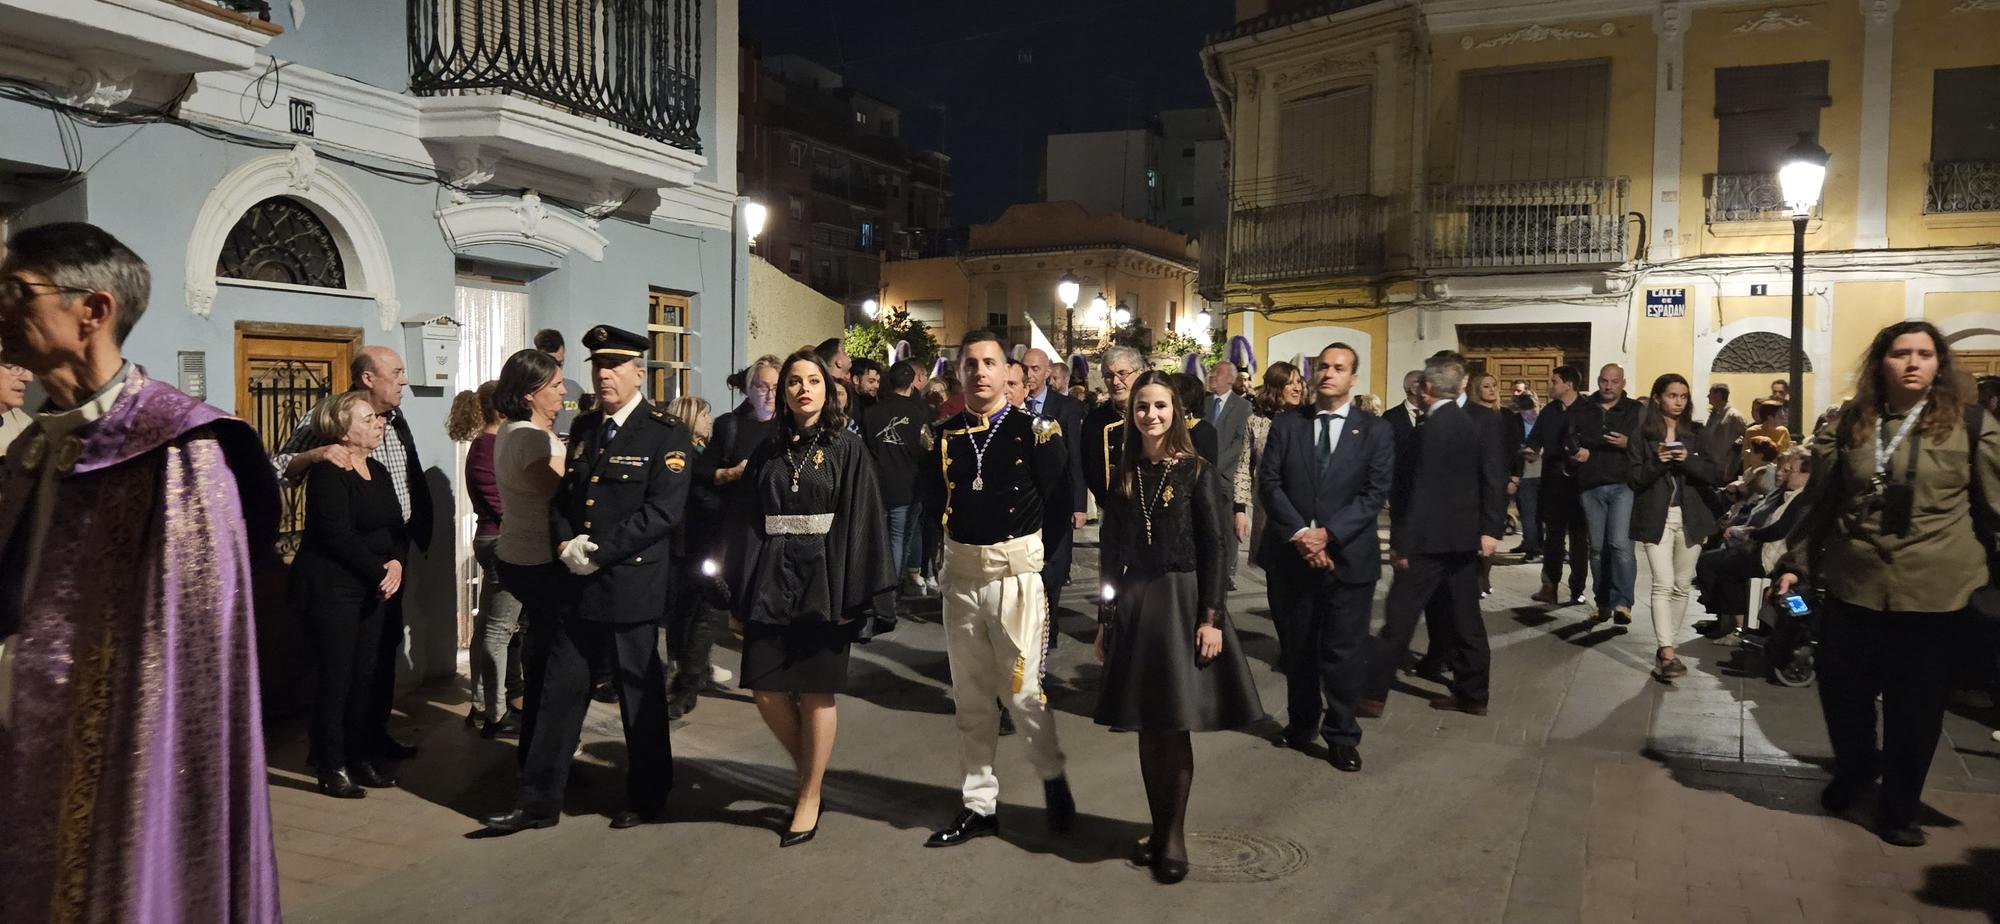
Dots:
(1008, 73)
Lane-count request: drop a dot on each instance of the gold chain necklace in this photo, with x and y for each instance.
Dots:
(1160, 497)
(797, 462)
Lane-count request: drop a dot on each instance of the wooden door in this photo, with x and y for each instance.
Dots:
(1509, 366)
(282, 372)
(1977, 363)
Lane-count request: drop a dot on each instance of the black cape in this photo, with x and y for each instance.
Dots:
(861, 578)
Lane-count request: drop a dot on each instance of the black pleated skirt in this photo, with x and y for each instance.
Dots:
(1152, 681)
(808, 658)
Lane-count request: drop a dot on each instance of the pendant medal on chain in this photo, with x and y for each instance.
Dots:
(979, 449)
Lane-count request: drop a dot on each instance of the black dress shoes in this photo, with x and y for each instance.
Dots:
(1169, 871)
(1345, 758)
(508, 727)
(1061, 805)
(968, 825)
(518, 820)
(338, 784)
(632, 818)
(371, 776)
(395, 750)
(1286, 739)
(1901, 835)
(1146, 852)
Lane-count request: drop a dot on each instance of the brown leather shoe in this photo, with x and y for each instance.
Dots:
(1454, 704)
(1546, 595)
(1369, 708)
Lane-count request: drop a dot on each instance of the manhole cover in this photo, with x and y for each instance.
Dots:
(1230, 856)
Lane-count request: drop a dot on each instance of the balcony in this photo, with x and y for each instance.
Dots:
(1963, 186)
(1538, 223)
(1730, 197)
(1338, 236)
(608, 90)
(110, 42)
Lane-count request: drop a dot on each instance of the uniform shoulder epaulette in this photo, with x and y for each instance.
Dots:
(660, 414)
(1046, 429)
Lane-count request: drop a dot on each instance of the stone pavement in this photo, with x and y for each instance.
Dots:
(1591, 793)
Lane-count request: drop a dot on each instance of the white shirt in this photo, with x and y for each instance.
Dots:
(1038, 401)
(1334, 423)
(625, 413)
(1444, 401)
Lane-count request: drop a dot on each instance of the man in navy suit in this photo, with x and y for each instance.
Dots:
(1453, 519)
(1323, 479)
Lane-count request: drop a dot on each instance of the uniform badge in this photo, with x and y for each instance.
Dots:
(675, 461)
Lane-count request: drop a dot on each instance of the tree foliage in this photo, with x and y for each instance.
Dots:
(874, 339)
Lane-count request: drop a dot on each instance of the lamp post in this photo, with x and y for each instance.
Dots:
(1100, 314)
(1800, 180)
(1068, 289)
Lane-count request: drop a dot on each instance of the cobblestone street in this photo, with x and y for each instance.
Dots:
(1590, 793)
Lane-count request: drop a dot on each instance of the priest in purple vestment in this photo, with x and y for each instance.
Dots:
(132, 782)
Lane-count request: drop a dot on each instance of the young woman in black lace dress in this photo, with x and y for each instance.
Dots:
(1172, 662)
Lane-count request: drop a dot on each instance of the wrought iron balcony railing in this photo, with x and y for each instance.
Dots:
(1745, 197)
(1963, 186)
(633, 63)
(1571, 222)
(1337, 236)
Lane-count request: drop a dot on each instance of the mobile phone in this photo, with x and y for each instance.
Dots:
(1797, 605)
(1674, 444)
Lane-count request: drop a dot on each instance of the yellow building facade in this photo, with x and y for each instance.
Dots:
(1560, 181)
(1009, 272)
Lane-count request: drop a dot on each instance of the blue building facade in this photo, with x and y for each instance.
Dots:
(364, 172)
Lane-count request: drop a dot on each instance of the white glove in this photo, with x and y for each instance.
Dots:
(576, 556)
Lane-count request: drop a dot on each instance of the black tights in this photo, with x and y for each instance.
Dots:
(1166, 762)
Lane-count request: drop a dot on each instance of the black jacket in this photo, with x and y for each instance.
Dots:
(1461, 481)
(1654, 483)
(1589, 421)
(627, 496)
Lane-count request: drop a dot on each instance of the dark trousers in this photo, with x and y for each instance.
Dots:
(1322, 627)
(1527, 497)
(560, 655)
(1907, 659)
(1723, 578)
(1061, 547)
(345, 636)
(1455, 576)
(691, 639)
(1564, 530)
(381, 695)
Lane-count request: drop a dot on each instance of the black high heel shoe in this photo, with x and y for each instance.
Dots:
(1168, 872)
(1145, 852)
(790, 838)
(338, 784)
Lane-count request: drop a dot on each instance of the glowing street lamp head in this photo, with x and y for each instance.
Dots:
(1803, 174)
(870, 308)
(1122, 316)
(754, 214)
(1068, 289)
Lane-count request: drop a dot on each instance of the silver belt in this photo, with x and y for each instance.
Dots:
(802, 524)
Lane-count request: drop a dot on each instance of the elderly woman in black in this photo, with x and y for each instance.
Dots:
(1890, 539)
(808, 561)
(1172, 662)
(349, 562)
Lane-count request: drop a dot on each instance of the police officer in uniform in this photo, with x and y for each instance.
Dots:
(995, 471)
(611, 520)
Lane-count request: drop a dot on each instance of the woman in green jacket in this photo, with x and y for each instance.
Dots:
(1889, 538)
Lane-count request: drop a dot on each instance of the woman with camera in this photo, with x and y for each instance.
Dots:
(1670, 516)
(1890, 542)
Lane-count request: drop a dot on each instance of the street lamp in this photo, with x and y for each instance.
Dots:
(870, 308)
(1121, 316)
(1068, 288)
(1203, 321)
(1099, 309)
(1800, 179)
(754, 214)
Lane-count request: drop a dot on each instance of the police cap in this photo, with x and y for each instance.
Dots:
(613, 344)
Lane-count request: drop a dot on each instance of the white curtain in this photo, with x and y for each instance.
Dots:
(494, 325)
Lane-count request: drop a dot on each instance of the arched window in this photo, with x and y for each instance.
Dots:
(280, 240)
(1757, 351)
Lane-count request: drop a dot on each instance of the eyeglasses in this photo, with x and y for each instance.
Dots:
(17, 291)
(13, 369)
(1122, 374)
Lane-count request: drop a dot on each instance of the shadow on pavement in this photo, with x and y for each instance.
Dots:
(1969, 885)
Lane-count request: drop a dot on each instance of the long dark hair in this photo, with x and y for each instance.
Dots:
(1946, 411)
(1179, 444)
(1270, 396)
(831, 420)
(1653, 423)
(523, 374)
